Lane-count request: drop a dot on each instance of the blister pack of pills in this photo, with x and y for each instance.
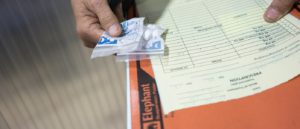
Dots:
(136, 40)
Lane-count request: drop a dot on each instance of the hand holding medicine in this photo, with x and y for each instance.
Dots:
(93, 17)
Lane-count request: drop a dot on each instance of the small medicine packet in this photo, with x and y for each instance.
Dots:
(136, 39)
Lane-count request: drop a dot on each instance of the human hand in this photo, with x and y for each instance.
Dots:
(93, 17)
(278, 9)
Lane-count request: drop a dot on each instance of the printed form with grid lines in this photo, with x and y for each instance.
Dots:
(219, 50)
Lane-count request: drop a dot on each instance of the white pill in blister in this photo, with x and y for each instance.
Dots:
(148, 34)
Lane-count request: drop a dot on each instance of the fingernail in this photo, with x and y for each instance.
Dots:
(114, 30)
(272, 14)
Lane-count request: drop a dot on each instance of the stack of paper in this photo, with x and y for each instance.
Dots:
(220, 50)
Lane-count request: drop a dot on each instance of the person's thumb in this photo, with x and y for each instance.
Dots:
(107, 19)
(278, 9)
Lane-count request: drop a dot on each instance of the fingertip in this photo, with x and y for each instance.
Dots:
(115, 30)
(108, 21)
(272, 15)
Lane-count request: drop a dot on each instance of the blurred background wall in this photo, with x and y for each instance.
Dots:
(47, 80)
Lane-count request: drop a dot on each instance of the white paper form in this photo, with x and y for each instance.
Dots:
(218, 50)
